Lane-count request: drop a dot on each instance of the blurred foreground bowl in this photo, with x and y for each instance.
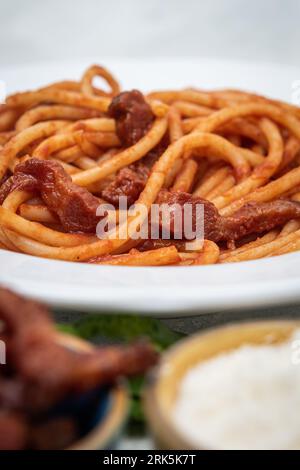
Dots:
(101, 414)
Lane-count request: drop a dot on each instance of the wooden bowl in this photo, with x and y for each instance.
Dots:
(163, 383)
(108, 429)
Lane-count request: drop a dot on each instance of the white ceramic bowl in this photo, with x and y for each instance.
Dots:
(165, 291)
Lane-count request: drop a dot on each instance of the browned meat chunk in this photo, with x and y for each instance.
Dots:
(129, 183)
(74, 206)
(253, 218)
(133, 116)
(177, 200)
(258, 218)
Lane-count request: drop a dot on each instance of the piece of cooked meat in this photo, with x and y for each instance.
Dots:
(252, 218)
(133, 116)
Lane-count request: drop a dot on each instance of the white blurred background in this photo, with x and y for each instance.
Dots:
(47, 30)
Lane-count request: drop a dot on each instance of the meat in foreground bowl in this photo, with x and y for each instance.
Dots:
(58, 391)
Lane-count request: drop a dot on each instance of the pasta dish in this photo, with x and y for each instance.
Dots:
(70, 148)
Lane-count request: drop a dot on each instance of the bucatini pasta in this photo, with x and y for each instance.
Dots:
(69, 148)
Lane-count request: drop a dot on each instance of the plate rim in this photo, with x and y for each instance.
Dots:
(188, 300)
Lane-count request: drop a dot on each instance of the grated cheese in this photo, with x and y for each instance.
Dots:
(245, 399)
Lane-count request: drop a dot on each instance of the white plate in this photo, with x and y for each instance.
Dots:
(165, 291)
